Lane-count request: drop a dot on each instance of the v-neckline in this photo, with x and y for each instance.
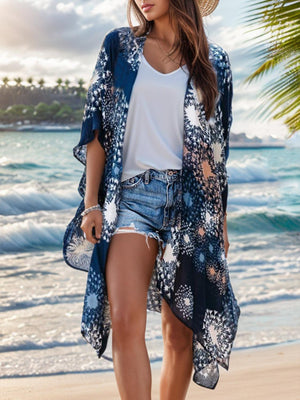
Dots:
(158, 72)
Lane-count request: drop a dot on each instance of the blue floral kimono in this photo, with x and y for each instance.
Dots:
(193, 275)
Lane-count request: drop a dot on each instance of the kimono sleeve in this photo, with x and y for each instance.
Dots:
(226, 107)
(97, 101)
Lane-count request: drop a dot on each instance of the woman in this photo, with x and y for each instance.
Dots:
(151, 228)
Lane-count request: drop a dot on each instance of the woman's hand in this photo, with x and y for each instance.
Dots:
(95, 161)
(90, 220)
(225, 235)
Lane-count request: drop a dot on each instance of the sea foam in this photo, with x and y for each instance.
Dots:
(249, 170)
(25, 198)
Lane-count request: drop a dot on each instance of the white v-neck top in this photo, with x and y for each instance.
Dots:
(154, 127)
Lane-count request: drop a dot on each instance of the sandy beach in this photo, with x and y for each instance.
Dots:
(261, 373)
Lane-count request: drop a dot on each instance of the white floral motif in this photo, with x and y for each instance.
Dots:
(212, 122)
(169, 255)
(192, 115)
(110, 212)
(217, 148)
(80, 252)
(188, 247)
(184, 301)
(92, 300)
(208, 217)
(80, 245)
(217, 336)
(186, 238)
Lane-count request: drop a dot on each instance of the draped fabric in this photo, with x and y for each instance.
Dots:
(193, 275)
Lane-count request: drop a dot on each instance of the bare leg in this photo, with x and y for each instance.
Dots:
(128, 272)
(178, 356)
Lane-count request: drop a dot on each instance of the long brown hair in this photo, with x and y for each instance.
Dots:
(191, 41)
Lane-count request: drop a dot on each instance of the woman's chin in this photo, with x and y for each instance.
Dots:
(151, 15)
(148, 17)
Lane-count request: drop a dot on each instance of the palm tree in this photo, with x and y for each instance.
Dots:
(278, 49)
(41, 83)
(59, 83)
(80, 88)
(67, 84)
(30, 81)
(5, 81)
(58, 87)
(80, 83)
(18, 81)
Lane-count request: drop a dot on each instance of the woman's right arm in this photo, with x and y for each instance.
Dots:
(95, 161)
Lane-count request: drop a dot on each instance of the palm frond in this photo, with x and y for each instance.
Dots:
(277, 49)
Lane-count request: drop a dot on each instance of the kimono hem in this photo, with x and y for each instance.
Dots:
(193, 274)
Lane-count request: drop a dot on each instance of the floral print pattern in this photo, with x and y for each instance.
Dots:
(184, 301)
(192, 274)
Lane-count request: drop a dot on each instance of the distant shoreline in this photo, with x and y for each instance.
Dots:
(262, 145)
(43, 127)
(238, 141)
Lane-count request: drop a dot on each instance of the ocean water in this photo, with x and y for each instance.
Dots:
(42, 298)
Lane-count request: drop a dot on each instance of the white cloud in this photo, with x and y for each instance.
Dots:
(108, 7)
(212, 20)
(65, 7)
(41, 4)
(111, 10)
(79, 10)
(261, 129)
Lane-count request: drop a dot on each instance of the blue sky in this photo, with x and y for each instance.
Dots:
(50, 39)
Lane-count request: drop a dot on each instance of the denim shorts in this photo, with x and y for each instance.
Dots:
(149, 204)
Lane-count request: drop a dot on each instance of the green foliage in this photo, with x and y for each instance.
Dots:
(28, 112)
(64, 114)
(13, 113)
(278, 50)
(16, 109)
(42, 112)
(55, 107)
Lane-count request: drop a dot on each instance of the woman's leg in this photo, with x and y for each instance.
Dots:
(177, 363)
(128, 272)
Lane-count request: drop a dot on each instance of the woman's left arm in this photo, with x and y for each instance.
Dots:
(226, 107)
(225, 235)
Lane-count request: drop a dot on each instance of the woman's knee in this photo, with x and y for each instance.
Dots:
(178, 340)
(177, 336)
(128, 323)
